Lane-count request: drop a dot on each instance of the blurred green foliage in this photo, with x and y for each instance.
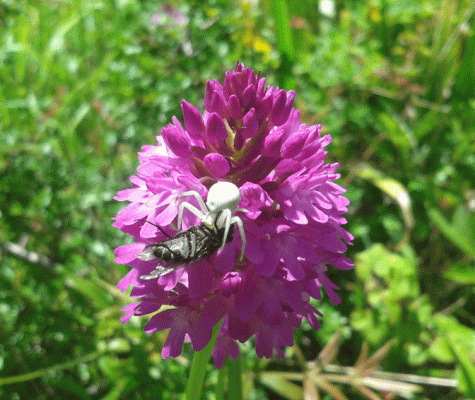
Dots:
(84, 84)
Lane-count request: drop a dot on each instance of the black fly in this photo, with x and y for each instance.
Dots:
(185, 247)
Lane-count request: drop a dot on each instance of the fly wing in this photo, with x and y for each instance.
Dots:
(161, 270)
(147, 254)
(183, 249)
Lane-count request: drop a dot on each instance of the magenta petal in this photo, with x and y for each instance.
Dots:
(238, 141)
(264, 105)
(253, 198)
(230, 284)
(278, 107)
(249, 124)
(342, 263)
(289, 256)
(294, 144)
(126, 253)
(248, 299)
(129, 279)
(273, 142)
(215, 129)
(313, 321)
(331, 242)
(216, 164)
(285, 113)
(296, 215)
(213, 310)
(235, 109)
(224, 347)
(219, 105)
(316, 214)
(211, 88)
(200, 337)
(160, 321)
(129, 310)
(176, 140)
(174, 344)
(271, 259)
(272, 338)
(193, 120)
(249, 96)
(329, 287)
(225, 259)
(200, 277)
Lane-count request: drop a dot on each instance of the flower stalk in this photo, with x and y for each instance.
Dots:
(199, 365)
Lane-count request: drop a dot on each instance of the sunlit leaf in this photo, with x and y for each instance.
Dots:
(282, 386)
(461, 232)
(391, 187)
(465, 369)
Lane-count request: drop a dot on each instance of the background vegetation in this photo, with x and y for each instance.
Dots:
(84, 84)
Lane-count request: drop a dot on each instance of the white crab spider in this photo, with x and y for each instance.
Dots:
(223, 198)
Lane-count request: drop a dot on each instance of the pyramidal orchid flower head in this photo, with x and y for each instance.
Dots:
(249, 135)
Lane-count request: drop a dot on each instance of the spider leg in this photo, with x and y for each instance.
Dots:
(238, 222)
(156, 226)
(224, 219)
(198, 198)
(190, 208)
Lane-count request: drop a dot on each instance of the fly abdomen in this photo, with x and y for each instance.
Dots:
(185, 247)
(163, 252)
(182, 248)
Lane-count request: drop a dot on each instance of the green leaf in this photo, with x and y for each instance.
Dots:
(459, 333)
(384, 263)
(93, 292)
(67, 387)
(119, 387)
(367, 321)
(281, 386)
(463, 273)
(119, 345)
(426, 124)
(391, 187)
(465, 371)
(56, 42)
(440, 350)
(283, 32)
(461, 232)
(78, 116)
(394, 130)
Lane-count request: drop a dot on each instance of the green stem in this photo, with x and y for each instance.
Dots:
(55, 368)
(198, 367)
(219, 391)
(234, 379)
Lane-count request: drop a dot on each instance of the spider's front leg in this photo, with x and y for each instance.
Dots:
(238, 222)
(225, 219)
(191, 207)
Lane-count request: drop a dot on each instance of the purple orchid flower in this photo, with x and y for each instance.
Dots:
(249, 135)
